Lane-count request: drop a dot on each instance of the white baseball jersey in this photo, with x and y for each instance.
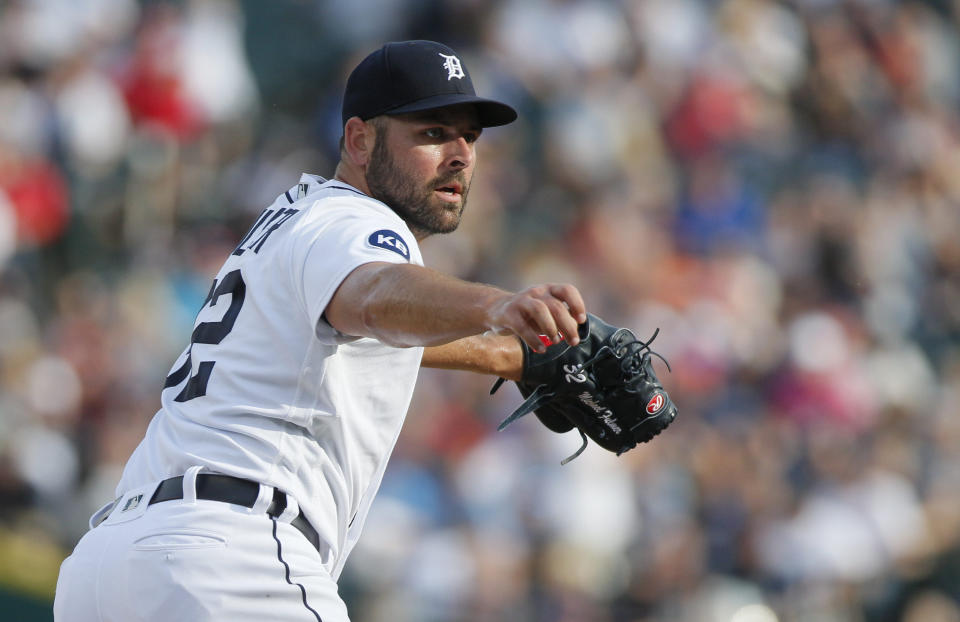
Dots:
(268, 390)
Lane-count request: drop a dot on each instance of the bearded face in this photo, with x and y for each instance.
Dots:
(428, 201)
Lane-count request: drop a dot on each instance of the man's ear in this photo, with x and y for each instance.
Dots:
(359, 138)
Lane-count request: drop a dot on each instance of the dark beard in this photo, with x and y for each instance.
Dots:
(389, 184)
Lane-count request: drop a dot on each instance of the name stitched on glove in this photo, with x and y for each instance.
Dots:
(606, 415)
(573, 374)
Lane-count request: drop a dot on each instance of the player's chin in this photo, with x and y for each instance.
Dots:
(447, 208)
(448, 225)
(446, 218)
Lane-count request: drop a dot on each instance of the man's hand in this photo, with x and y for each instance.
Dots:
(553, 311)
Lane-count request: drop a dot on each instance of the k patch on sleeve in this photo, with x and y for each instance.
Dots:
(389, 240)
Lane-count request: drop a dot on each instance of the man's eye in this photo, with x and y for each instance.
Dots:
(434, 132)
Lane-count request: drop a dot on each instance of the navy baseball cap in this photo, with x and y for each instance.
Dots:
(411, 76)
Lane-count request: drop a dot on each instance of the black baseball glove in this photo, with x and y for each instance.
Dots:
(605, 387)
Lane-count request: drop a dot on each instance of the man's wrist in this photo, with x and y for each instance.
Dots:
(491, 309)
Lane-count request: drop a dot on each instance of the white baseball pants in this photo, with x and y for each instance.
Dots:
(195, 560)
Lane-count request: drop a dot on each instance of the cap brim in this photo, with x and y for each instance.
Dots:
(491, 113)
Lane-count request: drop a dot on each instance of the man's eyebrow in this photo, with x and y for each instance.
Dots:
(441, 117)
(429, 117)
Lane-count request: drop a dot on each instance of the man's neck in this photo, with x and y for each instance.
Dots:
(352, 176)
(356, 178)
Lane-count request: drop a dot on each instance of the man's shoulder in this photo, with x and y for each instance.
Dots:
(338, 200)
(336, 207)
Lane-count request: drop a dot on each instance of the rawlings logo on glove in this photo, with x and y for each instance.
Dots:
(656, 403)
(605, 387)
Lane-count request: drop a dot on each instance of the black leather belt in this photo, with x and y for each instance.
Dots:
(228, 489)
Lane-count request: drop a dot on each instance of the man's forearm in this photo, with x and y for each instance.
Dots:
(406, 305)
(486, 354)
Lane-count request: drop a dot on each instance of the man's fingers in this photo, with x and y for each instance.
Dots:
(532, 338)
(539, 318)
(526, 334)
(565, 322)
(571, 296)
(553, 311)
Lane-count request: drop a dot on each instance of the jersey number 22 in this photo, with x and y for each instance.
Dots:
(209, 333)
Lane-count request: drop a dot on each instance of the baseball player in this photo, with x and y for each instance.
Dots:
(253, 481)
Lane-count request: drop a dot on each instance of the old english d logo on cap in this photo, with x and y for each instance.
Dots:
(453, 67)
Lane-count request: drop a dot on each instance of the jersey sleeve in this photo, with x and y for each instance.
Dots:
(336, 241)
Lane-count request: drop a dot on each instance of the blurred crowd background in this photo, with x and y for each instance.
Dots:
(774, 184)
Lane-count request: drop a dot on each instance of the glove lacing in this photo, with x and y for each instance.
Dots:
(631, 365)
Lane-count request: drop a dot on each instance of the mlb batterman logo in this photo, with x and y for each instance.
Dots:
(453, 67)
(655, 404)
(131, 503)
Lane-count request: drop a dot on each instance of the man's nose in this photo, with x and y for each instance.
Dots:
(461, 153)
